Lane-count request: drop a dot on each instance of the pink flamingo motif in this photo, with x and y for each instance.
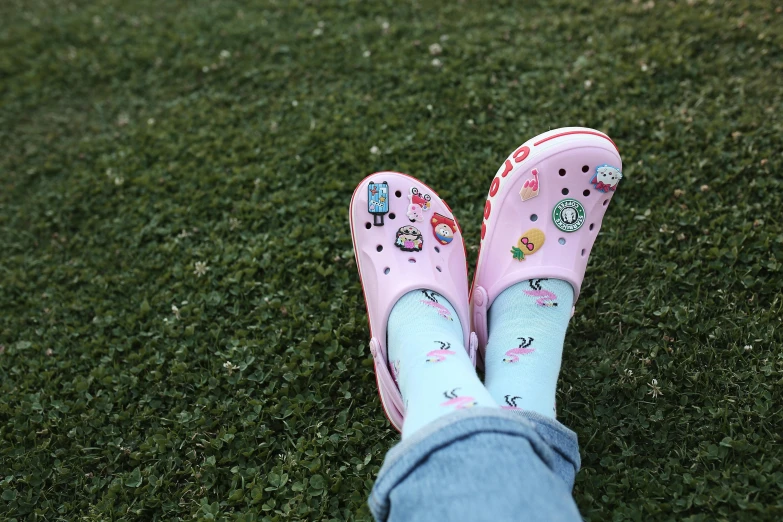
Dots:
(512, 355)
(459, 403)
(511, 403)
(440, 354)
(433, 302)
(396, 370)
(545, 297)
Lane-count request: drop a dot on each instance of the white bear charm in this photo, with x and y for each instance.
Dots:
(606, 178)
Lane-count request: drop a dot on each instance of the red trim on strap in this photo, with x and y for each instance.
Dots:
(577, 132)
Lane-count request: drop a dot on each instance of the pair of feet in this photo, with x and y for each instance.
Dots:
(540, 220)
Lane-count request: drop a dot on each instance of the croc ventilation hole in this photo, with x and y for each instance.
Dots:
(583, 252)
(606, 202)
(562, 172)
(564, 191)
(411, 260)
(561, 241)
(393, 215)
(398, 194)
(379, 248)
(585, 168)
(592, 225)
(386, 270)
(533, 217)
(437, 250)
(438, 269)
(368, 225)
(585, 194)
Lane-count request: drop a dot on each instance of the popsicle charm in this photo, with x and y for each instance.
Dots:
(378, 201)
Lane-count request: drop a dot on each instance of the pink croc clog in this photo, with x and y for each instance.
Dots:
(405, 238)
(543, 213)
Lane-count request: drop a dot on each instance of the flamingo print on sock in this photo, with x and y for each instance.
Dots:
(440, 354)
(511, 403)
(513, 354)
(459, 403)
(545, 297)
(433, 302)
(395, 368)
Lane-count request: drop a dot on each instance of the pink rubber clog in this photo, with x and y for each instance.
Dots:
(405, 238)
(543, 213)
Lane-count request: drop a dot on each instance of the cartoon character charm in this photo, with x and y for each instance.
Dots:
(443, 228)
(378, 201)
(419, 204)
(530, 188)
(409, 239)
(606, 178)
(529, 243)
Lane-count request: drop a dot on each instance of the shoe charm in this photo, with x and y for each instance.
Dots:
(378, 201)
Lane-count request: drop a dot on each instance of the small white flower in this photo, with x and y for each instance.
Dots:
(119, 180)
(257, 182)
(321, 24)
(273, 126)
(225, 55)
(385, 27)
(184, 234)
(205, 69)
(588, 84)
(366, 54)
(437, 63)
(233, 223)
(748, 347)
(295, 103)
(655, 390)
(123, 119)
(49, 352)
(444, 37)
(435, 49)
(628, 373)
(109, 172)
(429, 107)
(644, 67)
(228, 365)
(200, 268)
(318, 31)
(375, 150)
(175, 310)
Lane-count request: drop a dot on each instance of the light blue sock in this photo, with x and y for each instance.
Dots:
(429, 361)
(527, 327)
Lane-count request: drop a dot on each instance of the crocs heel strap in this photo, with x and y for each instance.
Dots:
(473, 348)
(385, 379)
(480, 303)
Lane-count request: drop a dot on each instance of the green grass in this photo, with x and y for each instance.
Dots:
(132, 150)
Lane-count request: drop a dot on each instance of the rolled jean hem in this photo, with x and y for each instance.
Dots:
(546, 436)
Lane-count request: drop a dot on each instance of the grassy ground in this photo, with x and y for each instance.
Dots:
(140, 139)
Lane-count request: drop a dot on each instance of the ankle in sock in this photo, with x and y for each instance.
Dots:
(428, 360)
(527, 327)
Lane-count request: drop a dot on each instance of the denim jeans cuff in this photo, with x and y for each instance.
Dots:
(546, 436)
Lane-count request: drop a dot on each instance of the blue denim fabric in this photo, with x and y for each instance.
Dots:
(480, 464)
